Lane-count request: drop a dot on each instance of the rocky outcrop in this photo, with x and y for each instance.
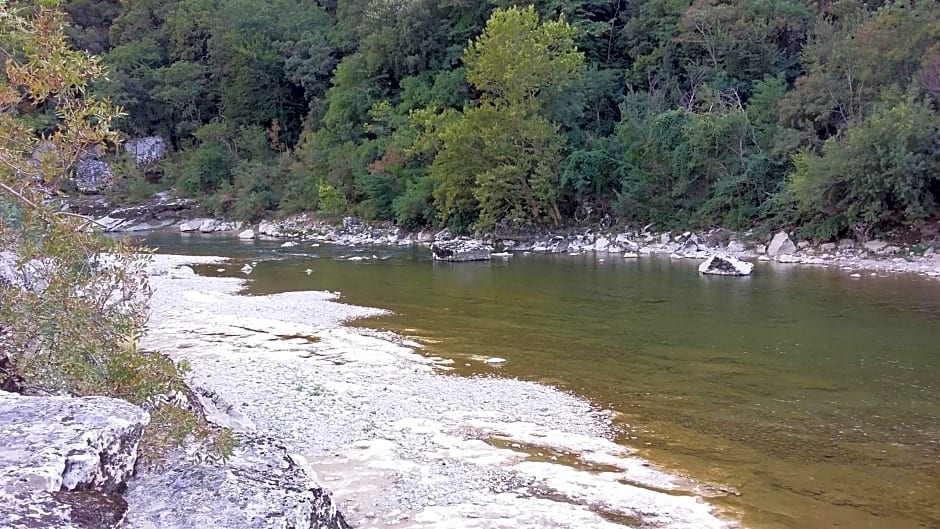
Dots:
(781, 245)
(208, 226)
(92, 176)
(261, 485)
(461, 250)
(146, 150)
(162, 211)
(725, 265)
(64, 461)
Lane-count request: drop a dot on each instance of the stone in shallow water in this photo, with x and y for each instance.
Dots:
(725, 265)
(63, 460)
(461, 250)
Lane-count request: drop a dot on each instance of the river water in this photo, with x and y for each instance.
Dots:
(815, 395)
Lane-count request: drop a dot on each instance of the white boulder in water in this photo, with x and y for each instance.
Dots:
(725, 265)
(461, 250)
(247, 234)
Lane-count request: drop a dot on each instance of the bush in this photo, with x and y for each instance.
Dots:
(332, 201)
(885, 172)
(73, 302)
(414, 209)
(202, 171)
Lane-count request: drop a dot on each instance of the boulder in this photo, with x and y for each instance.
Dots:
(735, 246)
(187, 227)
(558, 244)
(781, 245)
(601, 244)
(788, 259)
(443, 235)
(269, 228)
(717, 238)
(828, 247)
(146, 150)
(208, 226)
(846, 244)
(92, 176)
(460, 250)
(64, 460)
(424, 236)
(725, 265)
(247, 234)
(261, 485)
(875, 246)
(689, 247)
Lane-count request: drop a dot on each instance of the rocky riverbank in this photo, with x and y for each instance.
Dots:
(398, 441)
(857, 258)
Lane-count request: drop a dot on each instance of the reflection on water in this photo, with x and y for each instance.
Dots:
(814, 394)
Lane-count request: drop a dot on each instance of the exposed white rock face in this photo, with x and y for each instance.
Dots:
(63, 459)
(781, 245)
(460, 250)
(146, 150)
(261, 485)
(725, 265)
(92, 176)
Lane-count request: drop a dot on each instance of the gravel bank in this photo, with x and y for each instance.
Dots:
(399, 443)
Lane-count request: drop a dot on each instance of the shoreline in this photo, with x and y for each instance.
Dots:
(399, 442)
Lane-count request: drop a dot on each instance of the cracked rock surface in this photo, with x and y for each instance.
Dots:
(64, 461)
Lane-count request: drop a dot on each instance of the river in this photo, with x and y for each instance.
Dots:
(815, 395)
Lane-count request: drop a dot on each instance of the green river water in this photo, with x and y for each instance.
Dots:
(815, 395)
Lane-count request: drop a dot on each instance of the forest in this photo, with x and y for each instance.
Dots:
(488, 116)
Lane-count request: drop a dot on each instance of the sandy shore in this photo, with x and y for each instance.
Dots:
(399, 442)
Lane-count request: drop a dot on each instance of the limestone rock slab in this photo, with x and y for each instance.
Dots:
(63, 460)
(260, 486)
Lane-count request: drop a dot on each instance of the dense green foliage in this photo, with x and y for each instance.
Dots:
(480, 116)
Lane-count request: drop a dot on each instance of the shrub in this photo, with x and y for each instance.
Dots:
(72, 301)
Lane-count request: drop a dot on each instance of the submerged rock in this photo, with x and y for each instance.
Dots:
(461, 250)
(725, 265)
(65, 460)
(261, 485)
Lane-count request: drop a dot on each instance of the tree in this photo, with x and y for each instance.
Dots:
(72, 301)
(500, 161)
